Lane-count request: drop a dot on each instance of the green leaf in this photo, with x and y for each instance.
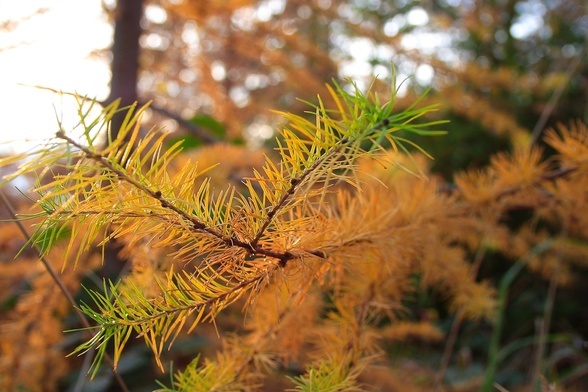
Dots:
(211, 124)
(188, 142)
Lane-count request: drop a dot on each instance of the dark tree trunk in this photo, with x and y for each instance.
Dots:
(123, 85)
(125, 57)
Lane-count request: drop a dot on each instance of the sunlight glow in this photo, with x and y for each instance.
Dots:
(49, 49)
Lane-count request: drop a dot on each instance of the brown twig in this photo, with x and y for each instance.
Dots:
(187, 125)
(294, 185)
(452, 336)
(64, 290)
(196, 224)
(544, 327)
(555, 97)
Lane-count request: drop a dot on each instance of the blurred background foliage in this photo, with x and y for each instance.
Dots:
(503, 71)
(496, 67)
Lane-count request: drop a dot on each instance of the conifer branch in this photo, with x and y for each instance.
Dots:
(119, 189)
(295, 183)
(363, 118)
(196, 224)
(157, 321)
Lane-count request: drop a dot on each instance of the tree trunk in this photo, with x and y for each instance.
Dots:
(125, 57)
(123, 85)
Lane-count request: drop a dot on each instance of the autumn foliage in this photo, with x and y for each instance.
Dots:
(299, 266)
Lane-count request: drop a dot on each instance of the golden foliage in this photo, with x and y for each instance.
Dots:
(320, 243)
(403, 331)
(31, 348)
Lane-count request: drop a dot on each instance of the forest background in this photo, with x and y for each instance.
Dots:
(503, 73)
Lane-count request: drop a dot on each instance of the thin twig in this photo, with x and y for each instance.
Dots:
(187, 125)
(503, 290)
(500, 388)
(294, 185)
(196, 224)
(245, 285)
(334, 153)
(44, 261)
(554, 98)
(64, 290)
(448, 350)
(452, 337)
(543, 331)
